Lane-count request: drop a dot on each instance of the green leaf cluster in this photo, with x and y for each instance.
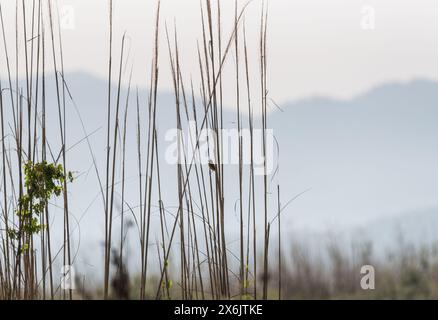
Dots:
(42, 181)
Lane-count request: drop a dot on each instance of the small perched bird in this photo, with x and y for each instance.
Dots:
(212, 166)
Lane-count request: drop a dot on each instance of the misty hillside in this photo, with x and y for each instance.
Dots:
(361, 160)
(364, 158)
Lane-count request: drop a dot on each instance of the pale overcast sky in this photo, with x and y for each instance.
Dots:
(316, 47)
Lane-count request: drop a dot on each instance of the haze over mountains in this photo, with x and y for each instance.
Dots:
(363, 158)
(371, 158)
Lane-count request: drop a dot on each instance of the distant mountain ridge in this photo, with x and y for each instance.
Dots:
(361, 158)
(365, 162)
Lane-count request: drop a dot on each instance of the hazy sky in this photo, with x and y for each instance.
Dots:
(316, 47)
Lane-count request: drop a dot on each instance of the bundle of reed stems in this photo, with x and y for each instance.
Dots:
(196, 232)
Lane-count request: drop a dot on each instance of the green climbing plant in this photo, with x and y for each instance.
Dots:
(42, 181)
